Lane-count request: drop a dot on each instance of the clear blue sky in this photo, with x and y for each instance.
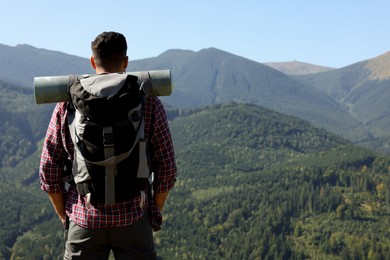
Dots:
(333, 33)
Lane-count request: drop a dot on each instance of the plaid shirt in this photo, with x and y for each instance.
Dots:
(58, 147)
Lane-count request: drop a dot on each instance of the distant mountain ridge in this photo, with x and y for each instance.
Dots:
(297, 67)
(379, 67)
(336, 100)
(363, 89)
(211, 76)
(19, 65)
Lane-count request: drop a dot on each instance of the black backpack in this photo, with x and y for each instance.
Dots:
(111, 161)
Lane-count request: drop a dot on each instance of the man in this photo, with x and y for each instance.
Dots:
(125, 227)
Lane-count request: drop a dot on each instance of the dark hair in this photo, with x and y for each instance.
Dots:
(109, 49)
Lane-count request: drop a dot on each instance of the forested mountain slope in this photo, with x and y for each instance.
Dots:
(253, 183)
(22, 123)
(364, 89)
(256, 184)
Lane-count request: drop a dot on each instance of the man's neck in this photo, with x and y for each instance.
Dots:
(104, 71)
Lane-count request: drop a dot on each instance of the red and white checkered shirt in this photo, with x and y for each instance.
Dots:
(58, 147)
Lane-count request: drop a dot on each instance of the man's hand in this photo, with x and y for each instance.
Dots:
(159, 199)
(58, 201)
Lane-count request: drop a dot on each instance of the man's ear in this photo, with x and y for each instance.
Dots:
(125, 62)
(92, 60)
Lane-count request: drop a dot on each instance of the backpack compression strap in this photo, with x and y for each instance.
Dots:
(111, 161)
(110, 169)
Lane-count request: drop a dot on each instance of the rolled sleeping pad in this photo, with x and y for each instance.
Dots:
(53, 89)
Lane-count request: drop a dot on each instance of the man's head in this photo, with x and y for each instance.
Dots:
(109, 53)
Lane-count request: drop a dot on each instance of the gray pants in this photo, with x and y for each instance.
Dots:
(131, 242)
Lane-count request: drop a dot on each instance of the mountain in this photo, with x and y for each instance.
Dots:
(22, 123)
(22, 63)
(212, 76)
(253, 184)
(363, 89)
(297, 68)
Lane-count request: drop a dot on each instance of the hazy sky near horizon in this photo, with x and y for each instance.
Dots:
(333, 33)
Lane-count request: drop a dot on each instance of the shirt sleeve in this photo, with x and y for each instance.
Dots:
(163, 151)
(53, 153)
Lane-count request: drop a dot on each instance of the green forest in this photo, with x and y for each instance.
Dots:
(22, 123)
(252, 184)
